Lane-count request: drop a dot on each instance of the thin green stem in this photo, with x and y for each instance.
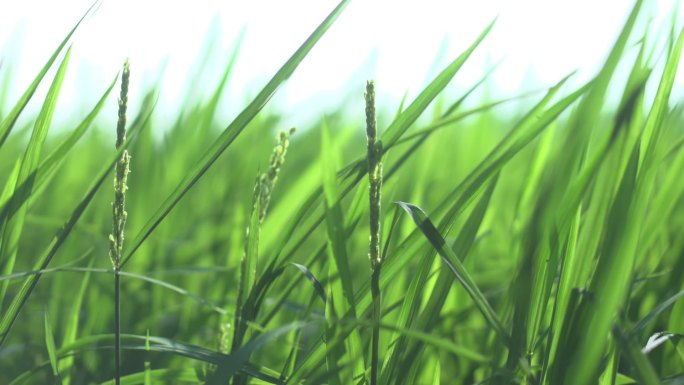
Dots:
(375, 183)
(377, 302)
(117, 327)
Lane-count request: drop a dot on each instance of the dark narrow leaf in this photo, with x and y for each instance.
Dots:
(456, 267)
(314, 281)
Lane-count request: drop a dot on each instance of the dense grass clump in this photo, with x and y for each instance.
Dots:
(544, 248)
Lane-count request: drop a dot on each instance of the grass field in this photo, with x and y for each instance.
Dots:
(449, 246)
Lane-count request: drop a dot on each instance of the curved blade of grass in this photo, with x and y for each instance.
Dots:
(641, 325)
(10, 316)
(233, 130)
(8, 123)
(318, 288)
(403, 353)
(51, 349)
(454, 265)
(9, 189)
(653, 130)
(399, 126)
(12, 227)
(41, 175)
(643, 370)
(212, 105)
(657, 339)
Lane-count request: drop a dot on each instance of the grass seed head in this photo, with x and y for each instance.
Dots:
(122, 169)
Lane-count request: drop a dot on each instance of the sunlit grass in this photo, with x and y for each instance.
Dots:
(544, 248)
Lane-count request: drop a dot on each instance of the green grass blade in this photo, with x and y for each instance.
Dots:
(399, 126)
(654, 123)
(12, 227)
(71, 332)
(8, 123)
(233, 130)
(336, 236)
(641, 325)
(456, 268)
(51, 349)
(318, 287)
(609, 285)
(9, 189)
(341, 299)
(248, 266)
(404, 352)
(52, 161)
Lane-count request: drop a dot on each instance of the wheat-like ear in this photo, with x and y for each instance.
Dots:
(119, 216)
(121, 177)
(375, 186)
(374, 175)
(263, 190)
(268, 179)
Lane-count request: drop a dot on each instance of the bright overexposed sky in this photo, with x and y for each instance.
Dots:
(399, 43)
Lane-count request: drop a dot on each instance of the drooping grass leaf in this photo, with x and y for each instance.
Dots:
(320, 291)
(455, 266)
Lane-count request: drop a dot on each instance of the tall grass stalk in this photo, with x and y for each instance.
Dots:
(263, 190)
(375, 183)
(119, 215)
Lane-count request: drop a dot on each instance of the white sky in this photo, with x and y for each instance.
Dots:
(395, 42)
